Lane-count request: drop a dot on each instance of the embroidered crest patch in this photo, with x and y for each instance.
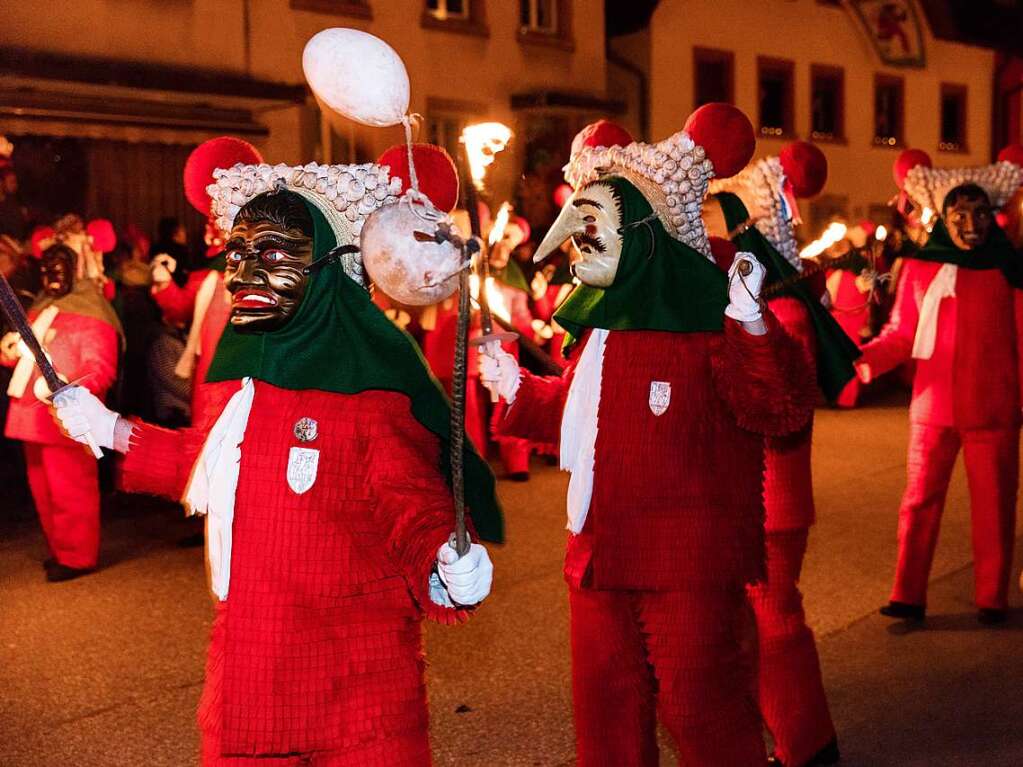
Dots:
(302, 465)
(660, 397)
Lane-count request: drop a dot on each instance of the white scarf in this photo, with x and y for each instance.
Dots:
(942, 286)
(211, 490)
(579, 428)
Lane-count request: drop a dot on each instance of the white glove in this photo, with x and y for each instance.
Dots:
(499, 371)
(80, 412)
(744, 290)
(162, 267)
(467, 579)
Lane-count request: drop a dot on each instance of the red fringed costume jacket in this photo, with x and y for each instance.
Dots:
(677, 498)
(317, 646)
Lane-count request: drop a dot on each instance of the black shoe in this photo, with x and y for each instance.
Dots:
(519, 476)
(904, 610)
(193, 541)
(58, 572)
(826, 756)
(992, 616)
(49, 562)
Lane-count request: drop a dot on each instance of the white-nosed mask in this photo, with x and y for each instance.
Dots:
(592, 220)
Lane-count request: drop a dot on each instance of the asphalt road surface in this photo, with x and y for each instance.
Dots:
(106, 670)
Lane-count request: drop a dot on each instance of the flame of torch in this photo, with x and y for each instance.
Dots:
(482, 142)
(500, 223)
(835, 231)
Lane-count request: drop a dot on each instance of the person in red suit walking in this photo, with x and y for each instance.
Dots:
(319, 468)
(758, 209)
(675, 365)
(80, 331)
(956, 314)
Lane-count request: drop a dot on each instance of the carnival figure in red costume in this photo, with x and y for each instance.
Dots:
(675, 365)
(319, 468)
(80, 331)
(758, 210)
(956, 316)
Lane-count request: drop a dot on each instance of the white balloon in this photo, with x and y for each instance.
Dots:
(357, 75)
(409, 271)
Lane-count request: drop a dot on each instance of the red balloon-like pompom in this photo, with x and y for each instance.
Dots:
(222, 152)
(104, 238)
(41, 236)
(435, 170)
(725, 134)
(906, 161)
(1012, 153)
(523, 225)
(723, 252)
(601, 133)
(561, 195)
(805, 166)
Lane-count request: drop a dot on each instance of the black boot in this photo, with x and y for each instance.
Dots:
(992, 616)
(58, 572)
(904, 610)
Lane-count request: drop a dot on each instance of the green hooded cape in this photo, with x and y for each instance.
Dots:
(339, 341)
(996, 253)
(835, 350)
(661, 284)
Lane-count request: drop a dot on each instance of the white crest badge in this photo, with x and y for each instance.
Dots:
(302, 465)
(660, 397)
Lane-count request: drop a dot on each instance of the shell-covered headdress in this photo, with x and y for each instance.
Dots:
(768, 188)
(673, 174)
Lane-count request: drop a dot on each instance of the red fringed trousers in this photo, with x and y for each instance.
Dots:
(676, 654)
(65, 487)
(792, 699)
(992, 470)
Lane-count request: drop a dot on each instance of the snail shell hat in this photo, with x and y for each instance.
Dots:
(927, 186)
(770, 185)
(672, 174)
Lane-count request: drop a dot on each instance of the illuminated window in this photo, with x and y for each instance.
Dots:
(713, 76)
(539, 16)
(827, 103)
(448, 9)
(888, 110)
(774, 81)
(953, 118)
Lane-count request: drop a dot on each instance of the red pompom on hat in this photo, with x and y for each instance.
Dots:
(1012, 153)
(222, 152)
(524, 226)
(723, 252)
(725, 134)
(435, 170)
(601, 133)
(41, 237)
(101, 231)
(805, 167)
(561, 195)
(906, 161)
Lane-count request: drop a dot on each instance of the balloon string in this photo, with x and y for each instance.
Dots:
(407, 121)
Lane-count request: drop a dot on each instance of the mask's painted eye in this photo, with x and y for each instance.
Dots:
(589, 219)
(273, 256)
(233, 257)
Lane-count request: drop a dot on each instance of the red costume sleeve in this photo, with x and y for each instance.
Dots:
(765, 380)
(536, 412)
(97, 357)
(414, 504)
(160, 460)
(176, 303)
(894, 344)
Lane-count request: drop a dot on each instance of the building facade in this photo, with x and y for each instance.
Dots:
(115, 94)
(863, 80)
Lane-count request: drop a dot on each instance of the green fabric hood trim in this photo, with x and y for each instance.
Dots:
(661, 283)
(835, 350)
(996, 253)
(339, 341)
